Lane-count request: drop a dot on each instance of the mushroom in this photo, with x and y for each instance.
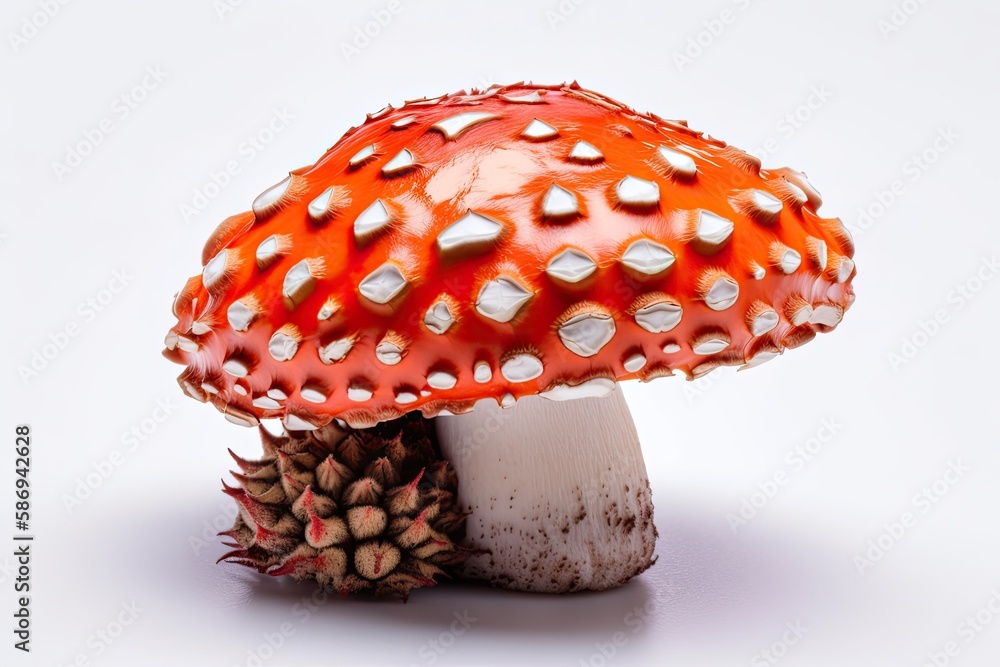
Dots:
(482, 258)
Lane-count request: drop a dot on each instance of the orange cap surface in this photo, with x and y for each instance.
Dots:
(526, 239)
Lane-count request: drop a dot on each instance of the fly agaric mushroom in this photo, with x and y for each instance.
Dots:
(520, 241)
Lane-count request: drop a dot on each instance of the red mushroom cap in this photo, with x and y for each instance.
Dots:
(526, 239)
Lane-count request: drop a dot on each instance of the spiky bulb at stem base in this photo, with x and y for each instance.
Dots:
(366, 510)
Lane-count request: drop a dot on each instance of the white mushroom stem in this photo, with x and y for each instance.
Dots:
(557, 493)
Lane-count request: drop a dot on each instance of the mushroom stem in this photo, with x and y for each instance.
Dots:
(557, 494)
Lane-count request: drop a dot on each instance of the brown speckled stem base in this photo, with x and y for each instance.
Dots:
(557, 495)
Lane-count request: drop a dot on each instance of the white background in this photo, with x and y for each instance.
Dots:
(717, 596)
